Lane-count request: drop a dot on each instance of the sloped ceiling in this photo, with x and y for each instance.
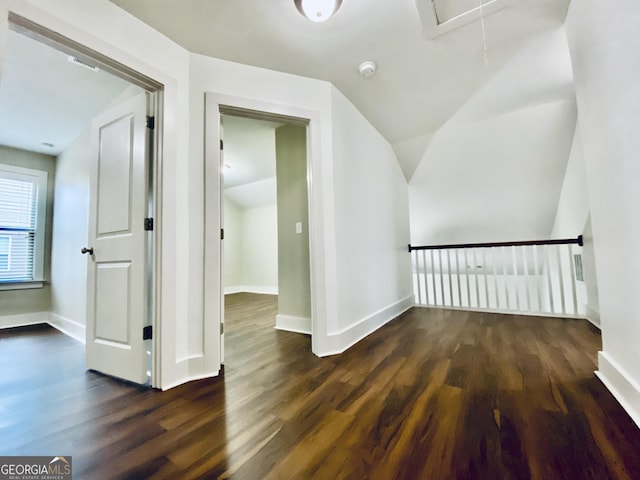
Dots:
(427, 85)
(249, 150)
(421, 81)
(249, 157)
(480, 115)
(46, 101)
(494, 171)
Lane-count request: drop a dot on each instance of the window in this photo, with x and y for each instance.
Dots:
(23, 197)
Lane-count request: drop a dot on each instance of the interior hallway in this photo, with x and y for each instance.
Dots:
(434, 394)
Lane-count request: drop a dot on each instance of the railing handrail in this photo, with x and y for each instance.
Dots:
(562, 241)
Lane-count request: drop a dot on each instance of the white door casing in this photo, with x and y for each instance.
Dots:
(221, 186)
(116, 273)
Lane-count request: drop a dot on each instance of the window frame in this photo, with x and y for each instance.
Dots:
(40, 178)
(8, 237)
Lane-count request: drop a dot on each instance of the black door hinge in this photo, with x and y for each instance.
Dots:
(151, 123)
(221, 145)
(221, 328)
(148, 224)
(147, 332)
(222, 234)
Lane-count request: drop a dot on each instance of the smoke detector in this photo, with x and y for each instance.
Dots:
(367, 69)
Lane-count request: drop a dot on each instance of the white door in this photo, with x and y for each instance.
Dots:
(116, 283)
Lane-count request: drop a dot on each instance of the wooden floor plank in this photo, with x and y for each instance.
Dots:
(435, 394)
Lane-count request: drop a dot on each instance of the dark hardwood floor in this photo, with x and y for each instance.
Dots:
(435, 394)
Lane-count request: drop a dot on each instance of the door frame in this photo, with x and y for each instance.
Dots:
(215, 105)
(155, 107)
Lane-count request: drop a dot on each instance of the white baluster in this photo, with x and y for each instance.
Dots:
(433, 279)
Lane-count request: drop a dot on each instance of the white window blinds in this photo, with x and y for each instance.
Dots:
(22, 210)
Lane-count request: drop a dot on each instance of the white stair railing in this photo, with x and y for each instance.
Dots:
(533, 277)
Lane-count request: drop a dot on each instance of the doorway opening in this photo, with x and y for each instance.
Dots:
(66, 279)
(265, 216)
(262, 174)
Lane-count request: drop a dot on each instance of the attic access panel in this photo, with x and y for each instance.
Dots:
(446, 10)
(442, 16)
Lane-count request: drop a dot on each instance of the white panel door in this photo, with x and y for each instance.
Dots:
(116, 283)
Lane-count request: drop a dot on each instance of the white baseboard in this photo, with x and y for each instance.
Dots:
(251, 289)
(568, 316)
(293, 324)
(191, 378)
(68, 327)
(187, 370)
(336, 343)
(23, 319)
(592, 315)
(621, 386)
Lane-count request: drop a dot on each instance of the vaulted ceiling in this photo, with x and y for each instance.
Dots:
(424, 75)
(432, 85)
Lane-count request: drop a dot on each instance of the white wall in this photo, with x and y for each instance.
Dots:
(494, 171)
(372, 227)
(260, 248)
(232, 270)
(590, 275)
(70, 231)
(250, 248)
(572, 219)
(573, 206)
(604, 49)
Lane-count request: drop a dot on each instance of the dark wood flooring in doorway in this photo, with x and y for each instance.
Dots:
(433, 395)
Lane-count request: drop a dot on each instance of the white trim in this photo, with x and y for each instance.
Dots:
(69, 327)
(22, 285)
(507, 312)
(319, 204)
(593, 316)
(625, 390)
(23, 319)
(251, 289)
(192, 368)
(289, 323)
(341, 341)
(190, 378)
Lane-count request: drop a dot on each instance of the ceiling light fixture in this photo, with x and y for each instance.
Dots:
(318, 10)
